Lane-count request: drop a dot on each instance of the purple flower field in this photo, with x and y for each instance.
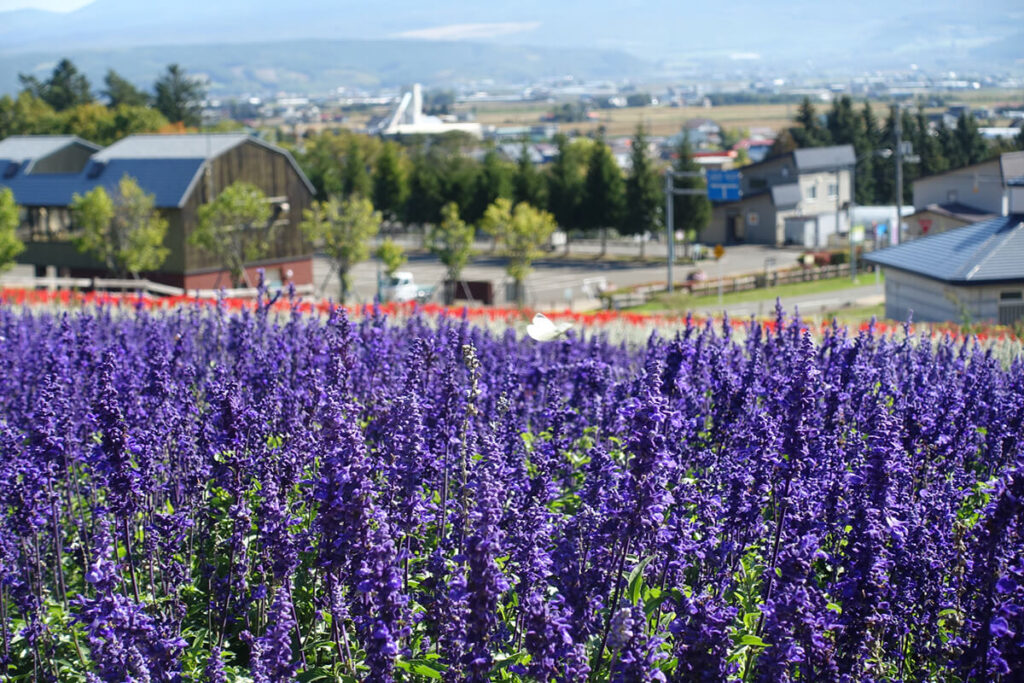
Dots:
(197, 495)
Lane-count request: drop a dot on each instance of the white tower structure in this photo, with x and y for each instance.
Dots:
(407, 118)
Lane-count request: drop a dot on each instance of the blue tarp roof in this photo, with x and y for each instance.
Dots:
(989, 251)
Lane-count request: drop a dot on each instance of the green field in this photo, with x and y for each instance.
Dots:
(682, 300)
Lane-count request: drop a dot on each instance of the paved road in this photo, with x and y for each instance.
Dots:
(558, 282)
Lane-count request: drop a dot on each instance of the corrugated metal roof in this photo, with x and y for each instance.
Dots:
(168, 180)
(989, 251)
(186, 146)
(21, 148)
(786, 196)
(165, 165)
(824, 158)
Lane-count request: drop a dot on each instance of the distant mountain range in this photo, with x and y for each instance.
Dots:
(320, 66)
(599, 38)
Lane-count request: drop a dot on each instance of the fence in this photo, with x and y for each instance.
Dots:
(123, 285)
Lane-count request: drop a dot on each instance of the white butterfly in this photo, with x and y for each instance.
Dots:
(542, 329)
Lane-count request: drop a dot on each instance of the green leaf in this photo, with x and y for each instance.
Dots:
(636, 579)
(753, 641)
(419, 667)
(835, 608)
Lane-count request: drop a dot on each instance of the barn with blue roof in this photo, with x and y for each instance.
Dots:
(971, 274)
(182, 172)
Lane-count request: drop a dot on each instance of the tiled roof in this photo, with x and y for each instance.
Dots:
(989, 251)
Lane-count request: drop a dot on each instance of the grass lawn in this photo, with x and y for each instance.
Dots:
(682, 300)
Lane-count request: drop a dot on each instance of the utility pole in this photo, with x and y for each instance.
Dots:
(899, 176)
(670, 227)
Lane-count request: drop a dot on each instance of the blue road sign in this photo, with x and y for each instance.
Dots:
(723, 186)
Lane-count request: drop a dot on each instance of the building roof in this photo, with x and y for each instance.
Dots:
(168, 180)
(22, 148)
(184, 146)
(959, 211)
(987, 252)
(824, 158)
(167, 166)
(786, 196)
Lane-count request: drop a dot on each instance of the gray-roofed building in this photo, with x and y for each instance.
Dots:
(962, 196)
(974, 273)
(44, 154)
(182, 172)
(795, 198)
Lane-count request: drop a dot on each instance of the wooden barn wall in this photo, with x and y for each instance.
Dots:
(267, 170)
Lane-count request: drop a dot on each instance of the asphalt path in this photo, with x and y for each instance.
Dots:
(557, 282)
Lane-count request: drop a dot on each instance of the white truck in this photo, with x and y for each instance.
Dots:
(401, 287)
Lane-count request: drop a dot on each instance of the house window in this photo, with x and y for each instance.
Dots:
(833, 190)
(1011, 296)
(812, 192)
(753, 219)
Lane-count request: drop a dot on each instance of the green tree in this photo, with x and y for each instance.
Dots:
(10, 245)
(521, 239)
(493, 180)
(566, 179)
(179, 96)
(132, 119)
(810, 132)
(391, 255)
(355, 178)
(27, 115)
(604, 193)
(121, 91)
(644, 194)
(451, 241)
(929, 148)
(235, 228)
(426, 195)
(342, 229)
(528, 183)
(969, 140)
(390, 182)
(65, 88)
(124, 232)
(691, 213)
(495, 220)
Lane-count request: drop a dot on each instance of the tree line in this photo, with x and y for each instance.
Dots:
(940, 147)
(583, 187)
(65, 103)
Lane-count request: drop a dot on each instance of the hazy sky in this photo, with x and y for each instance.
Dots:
(54, 5)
